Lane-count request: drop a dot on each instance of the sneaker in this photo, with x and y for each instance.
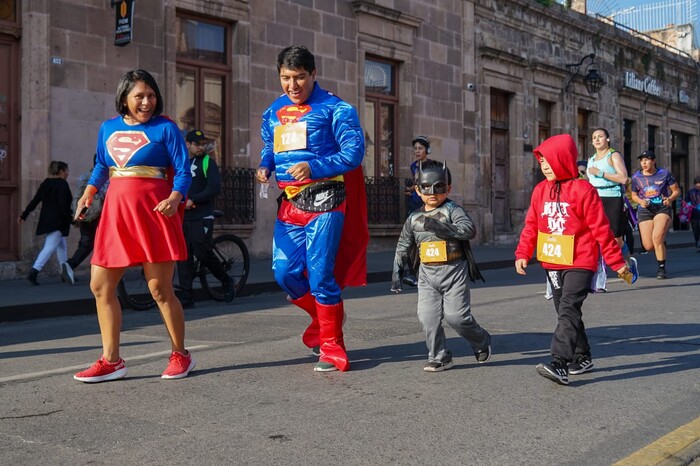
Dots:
(633, 269)
(229, 290)
(581, 363)
(323, 366)
(484, 355)
(102, 371)
(555, 370)
(661, 274)
(316, 350)
(67, 274)
(410, 280)
(437, 366)
(180, 365)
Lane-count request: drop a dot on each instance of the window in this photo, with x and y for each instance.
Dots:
(652, 131)
(381, 103)
(544, 120)
(203, 69)
(583, 142)
(627, 139)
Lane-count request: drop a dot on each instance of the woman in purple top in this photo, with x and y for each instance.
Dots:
(654, 189)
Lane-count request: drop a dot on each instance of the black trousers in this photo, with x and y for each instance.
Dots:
(86, 243)
(199, 234)
(570, 289)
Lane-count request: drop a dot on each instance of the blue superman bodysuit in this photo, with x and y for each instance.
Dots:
(318, 217)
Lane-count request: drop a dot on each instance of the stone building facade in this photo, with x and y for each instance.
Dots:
(485, 80)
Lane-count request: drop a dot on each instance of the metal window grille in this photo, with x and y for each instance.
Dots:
(383, 200)
(237, 198)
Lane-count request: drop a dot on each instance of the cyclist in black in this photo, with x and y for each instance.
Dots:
(198, 225)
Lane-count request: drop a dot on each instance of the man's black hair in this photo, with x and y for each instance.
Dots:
(296, 57)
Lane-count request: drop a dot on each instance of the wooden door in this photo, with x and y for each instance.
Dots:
(9, 147)
(500, 166)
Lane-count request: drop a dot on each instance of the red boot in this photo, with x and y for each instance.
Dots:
(333, 356)
(311, 335)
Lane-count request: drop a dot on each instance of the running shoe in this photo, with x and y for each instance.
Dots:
(634, 269)
(180, 365)
(323, 366)
(483, 355)
(661, 274)
(102, 371)
(555, 370)
(581, 363)
(438, 366)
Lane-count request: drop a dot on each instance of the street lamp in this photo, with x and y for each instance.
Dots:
(592, 78)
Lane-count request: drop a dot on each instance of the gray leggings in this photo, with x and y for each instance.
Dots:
(443, 291)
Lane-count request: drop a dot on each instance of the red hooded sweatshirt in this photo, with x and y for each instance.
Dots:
(568, 206)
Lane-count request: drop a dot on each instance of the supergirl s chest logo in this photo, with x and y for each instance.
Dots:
(123, 145)
(292, 113)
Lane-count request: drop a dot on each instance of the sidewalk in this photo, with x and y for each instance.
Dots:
(19, 300)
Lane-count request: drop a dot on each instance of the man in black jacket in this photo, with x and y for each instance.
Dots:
(198, 225)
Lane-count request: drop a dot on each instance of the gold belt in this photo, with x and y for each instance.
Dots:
(292, 191)
(142, 171)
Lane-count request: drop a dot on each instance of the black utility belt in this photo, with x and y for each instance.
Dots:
(322, 196)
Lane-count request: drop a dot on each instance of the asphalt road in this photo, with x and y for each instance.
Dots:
(254, 398)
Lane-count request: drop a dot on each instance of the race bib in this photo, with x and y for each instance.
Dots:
(291, 136)
(433, 251)
(555, 249)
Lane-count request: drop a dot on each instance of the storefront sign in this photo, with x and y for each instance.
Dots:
(124, 22)
(647, 85)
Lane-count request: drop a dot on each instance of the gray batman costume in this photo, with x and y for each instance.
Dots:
(443, 288)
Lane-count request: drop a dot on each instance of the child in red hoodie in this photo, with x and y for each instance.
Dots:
(566, 222)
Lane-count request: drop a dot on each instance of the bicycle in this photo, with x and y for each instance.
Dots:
(231, 251)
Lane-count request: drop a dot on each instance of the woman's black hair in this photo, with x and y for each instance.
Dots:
(127, 83)
(56, 166)
(296, 57)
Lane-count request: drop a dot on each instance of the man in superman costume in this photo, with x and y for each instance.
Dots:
(314, 144)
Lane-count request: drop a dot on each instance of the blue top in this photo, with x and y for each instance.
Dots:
(653, 187)
(156, 143)
(335, 142)
(605, 187)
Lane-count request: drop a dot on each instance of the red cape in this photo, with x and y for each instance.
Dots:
(351, 261)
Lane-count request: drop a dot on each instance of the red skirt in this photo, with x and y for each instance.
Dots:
(130, 232)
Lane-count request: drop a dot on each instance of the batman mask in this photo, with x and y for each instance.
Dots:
(433, 178)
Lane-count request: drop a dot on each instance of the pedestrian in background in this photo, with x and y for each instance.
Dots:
(692, 198)
(608, 174)
(421, 149)
(567, 227)
(145, 157)
(198, 226)
(441, 231)
(55, 217)
(654, 190)
(87, 224)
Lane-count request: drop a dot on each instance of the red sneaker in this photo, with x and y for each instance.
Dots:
(180, 365)
(102, 371)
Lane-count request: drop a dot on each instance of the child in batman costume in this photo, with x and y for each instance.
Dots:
(439, 232)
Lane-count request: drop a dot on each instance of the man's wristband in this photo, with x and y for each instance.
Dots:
(601, 174)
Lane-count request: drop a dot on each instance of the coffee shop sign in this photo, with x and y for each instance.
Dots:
(648, 85)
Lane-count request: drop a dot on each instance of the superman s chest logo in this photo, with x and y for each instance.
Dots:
(123, 145)
(292, 113)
